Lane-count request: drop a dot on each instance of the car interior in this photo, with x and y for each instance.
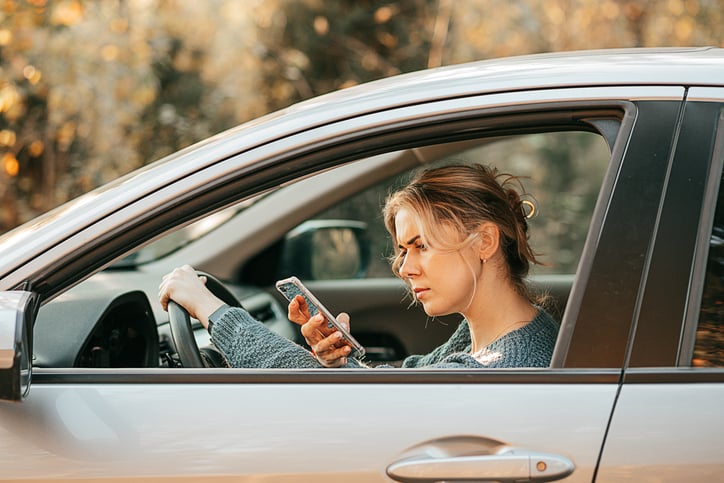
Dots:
(113, 318)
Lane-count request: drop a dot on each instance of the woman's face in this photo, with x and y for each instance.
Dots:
(443, 281)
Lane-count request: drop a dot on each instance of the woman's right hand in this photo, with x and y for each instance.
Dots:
(187, 289)
(327, 343)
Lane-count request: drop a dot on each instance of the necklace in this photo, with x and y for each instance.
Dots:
(506, 329)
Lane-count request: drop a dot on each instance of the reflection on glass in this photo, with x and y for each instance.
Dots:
(709, 347)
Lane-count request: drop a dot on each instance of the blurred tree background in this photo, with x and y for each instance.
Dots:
(90, 90)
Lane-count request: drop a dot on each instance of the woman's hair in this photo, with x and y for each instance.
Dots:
(461, 197)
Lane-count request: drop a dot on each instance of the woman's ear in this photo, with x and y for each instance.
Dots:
(489, 235)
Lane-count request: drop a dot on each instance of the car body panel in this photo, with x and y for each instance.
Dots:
(675, 428)
(139, 431)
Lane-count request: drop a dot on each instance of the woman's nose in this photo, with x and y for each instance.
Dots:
(409, 266)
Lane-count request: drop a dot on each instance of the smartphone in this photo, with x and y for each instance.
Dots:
(292, 286)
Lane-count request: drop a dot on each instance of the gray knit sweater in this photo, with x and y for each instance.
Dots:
(246, 342)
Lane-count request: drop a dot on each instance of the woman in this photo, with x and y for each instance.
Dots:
(461, 239)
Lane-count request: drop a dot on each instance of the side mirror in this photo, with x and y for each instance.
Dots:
(326, 250)
(16, 310)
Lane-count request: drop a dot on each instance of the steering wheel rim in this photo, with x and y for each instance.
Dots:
(180, 323)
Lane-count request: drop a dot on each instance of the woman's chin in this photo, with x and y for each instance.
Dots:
(433, 311)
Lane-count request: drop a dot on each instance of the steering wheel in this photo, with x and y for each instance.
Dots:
(183, 334)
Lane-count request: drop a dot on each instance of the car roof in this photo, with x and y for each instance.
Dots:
(700, 66)
(663, 66)
(641, 66)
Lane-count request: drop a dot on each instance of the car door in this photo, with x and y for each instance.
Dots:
(382, 424)
(669, 407)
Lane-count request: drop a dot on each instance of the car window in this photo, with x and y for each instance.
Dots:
(562, 171)
(709, 346)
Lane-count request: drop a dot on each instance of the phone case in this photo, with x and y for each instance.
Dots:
(292, 286)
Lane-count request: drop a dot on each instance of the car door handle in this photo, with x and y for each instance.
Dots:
(434, 462)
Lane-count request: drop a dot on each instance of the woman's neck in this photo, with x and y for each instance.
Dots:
(496, 312)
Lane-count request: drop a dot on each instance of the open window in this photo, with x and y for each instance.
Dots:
(560, 156)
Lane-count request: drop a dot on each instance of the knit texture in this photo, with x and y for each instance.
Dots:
(528, 346)
(246, 342)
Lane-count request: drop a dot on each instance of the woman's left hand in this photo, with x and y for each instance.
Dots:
(327, 344)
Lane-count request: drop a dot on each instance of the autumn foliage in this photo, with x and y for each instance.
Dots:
(90, 90)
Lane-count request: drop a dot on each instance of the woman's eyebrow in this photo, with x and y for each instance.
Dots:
(410, 241)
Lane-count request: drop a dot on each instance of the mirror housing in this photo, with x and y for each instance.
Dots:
(16, 309)
(326, 250)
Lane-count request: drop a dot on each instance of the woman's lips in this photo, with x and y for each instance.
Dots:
(419, 292)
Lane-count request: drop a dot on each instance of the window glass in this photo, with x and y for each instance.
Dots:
(563, 172)
(709, 347)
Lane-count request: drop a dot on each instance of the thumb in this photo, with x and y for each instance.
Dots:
(343, 320)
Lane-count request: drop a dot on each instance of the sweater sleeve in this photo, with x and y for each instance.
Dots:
(248, 343)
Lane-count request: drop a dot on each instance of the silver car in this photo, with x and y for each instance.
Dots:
(623, 152)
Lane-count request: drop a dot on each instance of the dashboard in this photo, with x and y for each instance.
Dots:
(99, 331)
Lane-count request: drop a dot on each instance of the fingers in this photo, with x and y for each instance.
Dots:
(337, 358)
(332, 344)
(332, 351)
(315, 330)
(334, 358)
(297, 310)
(174, 282)
(328, 345)
(343, 320)
(189, 290)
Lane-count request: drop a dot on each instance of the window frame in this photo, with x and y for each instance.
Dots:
(604, 300)
(670, 298)
(326, 152)
(714, 189)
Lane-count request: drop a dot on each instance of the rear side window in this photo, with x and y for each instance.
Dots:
(709, 347)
